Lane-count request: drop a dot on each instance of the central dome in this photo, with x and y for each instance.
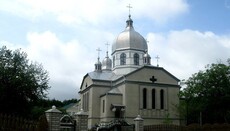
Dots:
(129, 39)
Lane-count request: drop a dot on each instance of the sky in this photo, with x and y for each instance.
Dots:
(63, 35)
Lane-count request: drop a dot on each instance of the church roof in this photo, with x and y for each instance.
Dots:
(104, 75)
(110, 76)
(115, 91)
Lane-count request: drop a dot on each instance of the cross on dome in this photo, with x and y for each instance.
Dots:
(98, 49)
(129, 6)
(107, 45)
(129, 21)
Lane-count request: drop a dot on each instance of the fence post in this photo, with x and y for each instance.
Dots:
(53, 118)
(82, 121)
(139, 123)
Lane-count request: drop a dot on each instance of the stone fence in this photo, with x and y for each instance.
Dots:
(56, 120)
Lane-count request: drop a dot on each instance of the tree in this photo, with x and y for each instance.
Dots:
(207, 94)
(21, 82)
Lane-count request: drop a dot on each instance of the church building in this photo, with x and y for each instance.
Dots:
(127, 85)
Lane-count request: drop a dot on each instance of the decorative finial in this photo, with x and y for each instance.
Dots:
(129, 6)
(53, 107)
(157, 57)
(98, 49)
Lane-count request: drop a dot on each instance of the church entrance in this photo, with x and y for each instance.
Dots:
(118, 114)
(118, 110)
(119, 123)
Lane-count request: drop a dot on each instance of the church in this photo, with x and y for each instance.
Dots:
(127, 85)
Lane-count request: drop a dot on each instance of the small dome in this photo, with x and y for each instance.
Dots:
(129, 39)
(146, 55)
(107, 63)
(98, 65)
(147, 58)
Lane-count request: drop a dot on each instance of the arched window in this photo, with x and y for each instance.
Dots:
(123, 59)
(113, 61)
(103, 106)
(84, 102)
(153, 99)
(136, 59)
(144, 98)
(162, 98)
(87, 101)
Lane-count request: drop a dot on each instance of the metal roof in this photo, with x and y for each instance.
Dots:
(129, 39)
(104, 75)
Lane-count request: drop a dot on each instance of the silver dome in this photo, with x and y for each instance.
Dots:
(107, 63)
(129, 39)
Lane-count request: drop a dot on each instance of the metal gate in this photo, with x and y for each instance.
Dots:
(67, 123)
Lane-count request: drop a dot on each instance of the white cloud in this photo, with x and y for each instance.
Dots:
(65, 62)
(90, 11)
(160, 10)
(182, 53)
(186, 52)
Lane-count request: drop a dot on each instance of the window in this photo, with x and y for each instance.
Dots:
(144, 98)
(83, 105)
(113, 61)
(162, 98)
(153, 98)
(87, 101)
(136, 59)
(123, 59)
(103, 106)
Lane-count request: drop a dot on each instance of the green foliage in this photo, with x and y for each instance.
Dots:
(167, 119)
(21, 82)
(67, 102)
(208, 92)
(43, 105)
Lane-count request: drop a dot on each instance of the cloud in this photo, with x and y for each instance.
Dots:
(68, 52)
(186, 52)
(94, 12)
(182, 53)
(65, 62)
(160, 10)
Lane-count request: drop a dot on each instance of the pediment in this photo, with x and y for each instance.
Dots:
(87, 81)
(152, 74)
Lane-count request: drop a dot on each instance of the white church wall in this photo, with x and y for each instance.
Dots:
(131, 100)
(151, 115)
(172, 95)
(110, 99)
(95, 104)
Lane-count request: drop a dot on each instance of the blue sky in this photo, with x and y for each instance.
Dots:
(64, 35)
